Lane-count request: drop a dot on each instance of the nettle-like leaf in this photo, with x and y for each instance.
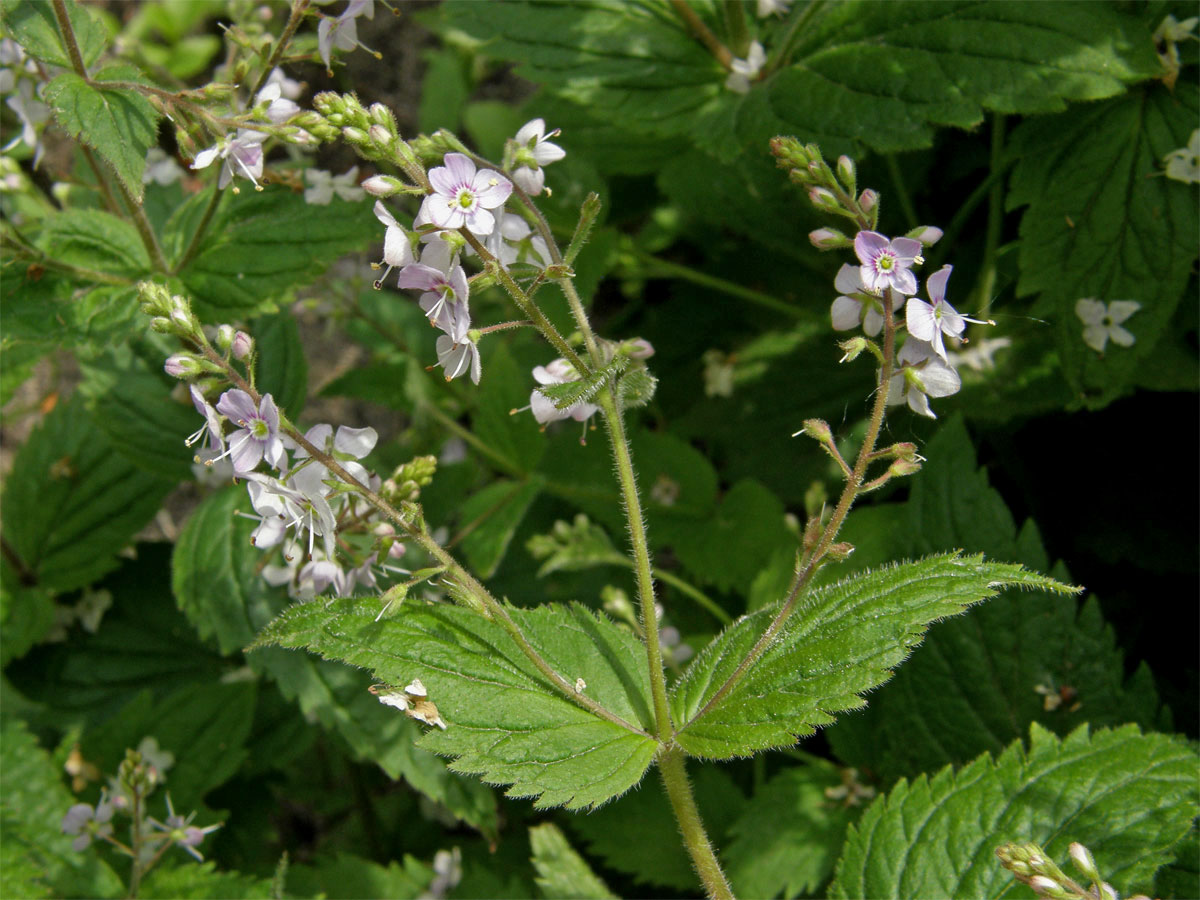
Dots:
(786, 841)
(568, 393)
(1103, 223)
(1128, 797)
(71, 502)
(505, 722)
(561, 871)
(34, 26)
(117, 121)
(856, 76)
(200, 881)
(260, 244)
(842, 641)
(979, 681)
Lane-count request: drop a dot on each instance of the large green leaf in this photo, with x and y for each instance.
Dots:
(38, 859)
(1128, 797)
(979, 681)
(842, 641)
(504, 722)
(117, 121)
(260, 244)
(1102, 223)
(96, 240)
(71, 502)
(349, 876)
(858, 74)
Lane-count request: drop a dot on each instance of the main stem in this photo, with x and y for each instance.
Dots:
(691, 828)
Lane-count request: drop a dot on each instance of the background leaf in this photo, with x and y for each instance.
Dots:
(1127, 796)
(561, 871)
(35, 28)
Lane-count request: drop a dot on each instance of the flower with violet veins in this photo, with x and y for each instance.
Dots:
(212, 424)
(397, 249)
(462, 196)
(459, 355)
(258, 438)
(443, 281)
(919, 376)
(1184, 164)
(856, 304)
(534, 151)
(1103, 321)
(887, 264)
(929, 321)
(243, 156)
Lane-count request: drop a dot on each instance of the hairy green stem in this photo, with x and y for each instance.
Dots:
(735, 26)
(696, 25)
(679, 791)
(293, 22)
(853, 486)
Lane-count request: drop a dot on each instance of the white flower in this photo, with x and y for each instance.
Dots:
(558, 372)
(857, 304)
(534, 150)
(920, 375)
(160, 168)
(1184, 164)
(745, 69)
(279, 108)
(243, 155)
(1103, 321)
(323, 185)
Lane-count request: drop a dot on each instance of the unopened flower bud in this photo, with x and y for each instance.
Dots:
(853, 347)
(638, 348)
(868, 200)
(380, 136)
(926, 234)
(818, 430)
(181, 365)
(847, 174)
(823, 198)
(1108, 892)
(354, 135)
(905, 450)
(841, 550)
(829, 239)
(224, 338)
(242, 345)
(162, 325)
(902, 467)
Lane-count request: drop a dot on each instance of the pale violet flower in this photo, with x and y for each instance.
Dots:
(288, 87)
(342, 32)
(457, 352)
(743, 70)
(887, 264)
(279, 108)
(258, 435)
(444, 283)
(87, 823)
(1184, 164)
(182, 832)
(463, 196)
(323, 185)
(857, 304)
(160, 168)
(929, 321)
(515, 242)
(243, 155)
(1102, 322)
(397, 248)
(557, 372)
(534, 150)
(919, 376)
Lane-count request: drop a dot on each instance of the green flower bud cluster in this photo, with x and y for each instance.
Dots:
(1030, 864)
(830, 191)
(408, 479)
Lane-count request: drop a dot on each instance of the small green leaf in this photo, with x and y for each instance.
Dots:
(492, 516)
(568, 393)
(96, 240)
(1128, 797)
(202, 881)
(841, 642)
(33, 25)
(561, 871)
(72, 502)
(350, 876)
(118, 122)
(504, 724)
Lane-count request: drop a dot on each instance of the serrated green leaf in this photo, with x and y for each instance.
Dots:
(492, 516)
(786, 841)
(568, 393)
(561, 871)
(33, 25)
(96, 240)
(503, 723)
(843, 641)
(349, 876)
(72, 502)
(32, 807)
(215, 572)
(202, 881)
(260, 244)
(636, 388)
(132, 404)
(979, 681)
(26, 614)
(1102, 224)
(50, 311)
(118, 122)
(1127, 796)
